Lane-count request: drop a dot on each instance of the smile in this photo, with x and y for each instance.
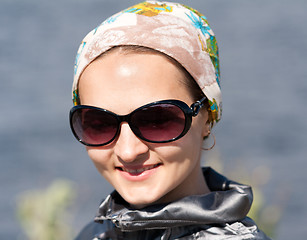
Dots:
(137, 171)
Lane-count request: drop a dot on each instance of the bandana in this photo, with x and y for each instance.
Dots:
(171, 28)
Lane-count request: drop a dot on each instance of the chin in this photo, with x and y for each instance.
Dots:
(140, 199)
(140, 203)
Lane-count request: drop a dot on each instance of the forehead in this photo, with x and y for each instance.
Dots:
(118, 78)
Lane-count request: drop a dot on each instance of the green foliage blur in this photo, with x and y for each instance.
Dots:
(44, 214)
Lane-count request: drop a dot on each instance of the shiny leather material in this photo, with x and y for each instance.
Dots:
(220, 214)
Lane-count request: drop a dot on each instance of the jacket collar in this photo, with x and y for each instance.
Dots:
(228, 202)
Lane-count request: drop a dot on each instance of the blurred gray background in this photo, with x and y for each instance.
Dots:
(263, 47)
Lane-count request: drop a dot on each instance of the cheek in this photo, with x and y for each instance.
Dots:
(191, 144)
(186, 149)
(100, 157)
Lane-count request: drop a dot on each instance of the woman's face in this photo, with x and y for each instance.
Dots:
(165, 171)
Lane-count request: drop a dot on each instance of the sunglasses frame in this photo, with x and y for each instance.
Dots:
(188, 112)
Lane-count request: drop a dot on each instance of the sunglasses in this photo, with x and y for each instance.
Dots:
(158, 122)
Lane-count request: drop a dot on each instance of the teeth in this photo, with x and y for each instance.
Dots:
(140, 170)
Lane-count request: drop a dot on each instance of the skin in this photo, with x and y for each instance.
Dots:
(121, 83)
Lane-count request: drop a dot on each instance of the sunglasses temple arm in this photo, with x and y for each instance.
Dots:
(197, 106)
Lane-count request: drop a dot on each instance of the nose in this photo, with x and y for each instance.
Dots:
(129, 147)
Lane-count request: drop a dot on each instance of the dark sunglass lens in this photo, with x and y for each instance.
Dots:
(159, 123)
(94, 127)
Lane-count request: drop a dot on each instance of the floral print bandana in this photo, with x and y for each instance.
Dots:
(171, 28)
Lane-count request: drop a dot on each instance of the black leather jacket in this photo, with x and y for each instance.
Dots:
(220, 214)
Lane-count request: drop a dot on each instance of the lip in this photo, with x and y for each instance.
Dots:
(137, 173)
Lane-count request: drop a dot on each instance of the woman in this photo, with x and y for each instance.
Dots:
(146, 94)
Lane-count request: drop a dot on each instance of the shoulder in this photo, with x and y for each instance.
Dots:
(240, 230)
(245, 229)
(91, 230)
